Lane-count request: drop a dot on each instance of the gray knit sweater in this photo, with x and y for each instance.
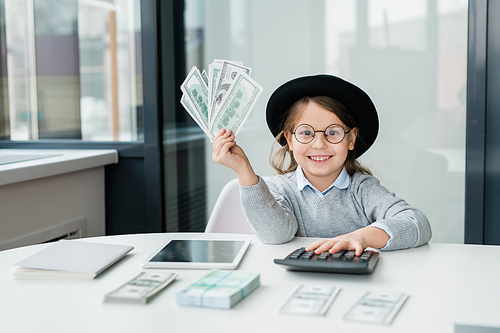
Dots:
(277, 211)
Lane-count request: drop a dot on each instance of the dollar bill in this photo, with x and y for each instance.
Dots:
(227, 76)
(213, 77)
(236, 105)
(376, 307)
(141, 288)
(311, 300)
(189, 107)
(196, 91)
(214, 70)
(205, 77)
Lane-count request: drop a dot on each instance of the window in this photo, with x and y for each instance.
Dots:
(72, 70)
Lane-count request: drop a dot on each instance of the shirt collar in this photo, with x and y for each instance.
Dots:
(342, 181)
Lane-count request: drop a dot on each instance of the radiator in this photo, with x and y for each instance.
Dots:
(67, 230)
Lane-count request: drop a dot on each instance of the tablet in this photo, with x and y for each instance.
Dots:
(198, 253)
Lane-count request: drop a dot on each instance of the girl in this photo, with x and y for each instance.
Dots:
(323, 124)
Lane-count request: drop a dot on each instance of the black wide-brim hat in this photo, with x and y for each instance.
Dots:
(357, 102)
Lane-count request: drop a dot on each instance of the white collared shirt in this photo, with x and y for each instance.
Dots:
(342, 182)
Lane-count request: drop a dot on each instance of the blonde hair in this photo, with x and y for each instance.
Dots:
(283, 161)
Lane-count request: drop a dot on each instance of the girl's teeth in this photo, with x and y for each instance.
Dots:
(319, 158)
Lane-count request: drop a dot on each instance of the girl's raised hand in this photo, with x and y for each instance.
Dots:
(226, 152)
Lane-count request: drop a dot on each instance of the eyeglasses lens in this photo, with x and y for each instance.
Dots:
(334, 134)
(305, 133)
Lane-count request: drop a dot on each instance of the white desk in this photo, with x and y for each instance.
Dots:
(447, 284)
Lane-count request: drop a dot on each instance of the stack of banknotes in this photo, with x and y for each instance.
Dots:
(221, 98)
(141, 288)
(219, 289)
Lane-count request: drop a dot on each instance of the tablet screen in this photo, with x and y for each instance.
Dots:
(201, 251)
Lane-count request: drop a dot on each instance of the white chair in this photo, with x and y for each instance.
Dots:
(227, 215)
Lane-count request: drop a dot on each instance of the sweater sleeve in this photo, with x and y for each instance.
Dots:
(408, 226)
(270, 215)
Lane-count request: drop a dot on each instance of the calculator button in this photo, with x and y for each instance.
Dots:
(337, 255)
(307, 255)
(349, 256)
(365, 256)
(299, 251)
(323, 256)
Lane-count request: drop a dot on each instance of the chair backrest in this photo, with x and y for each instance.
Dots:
(227, 215)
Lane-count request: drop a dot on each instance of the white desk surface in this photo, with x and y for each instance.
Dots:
(447, 284)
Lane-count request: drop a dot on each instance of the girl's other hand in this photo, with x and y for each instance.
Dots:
(357, 241)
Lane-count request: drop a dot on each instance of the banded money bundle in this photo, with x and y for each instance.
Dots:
(219, 289)
(221, 98)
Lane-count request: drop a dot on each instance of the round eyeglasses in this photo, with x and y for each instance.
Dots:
(334, 133)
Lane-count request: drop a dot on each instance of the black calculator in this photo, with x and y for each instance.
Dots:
(340, 262)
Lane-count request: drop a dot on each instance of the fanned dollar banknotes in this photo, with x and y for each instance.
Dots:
(219, 289)
(221, 98)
